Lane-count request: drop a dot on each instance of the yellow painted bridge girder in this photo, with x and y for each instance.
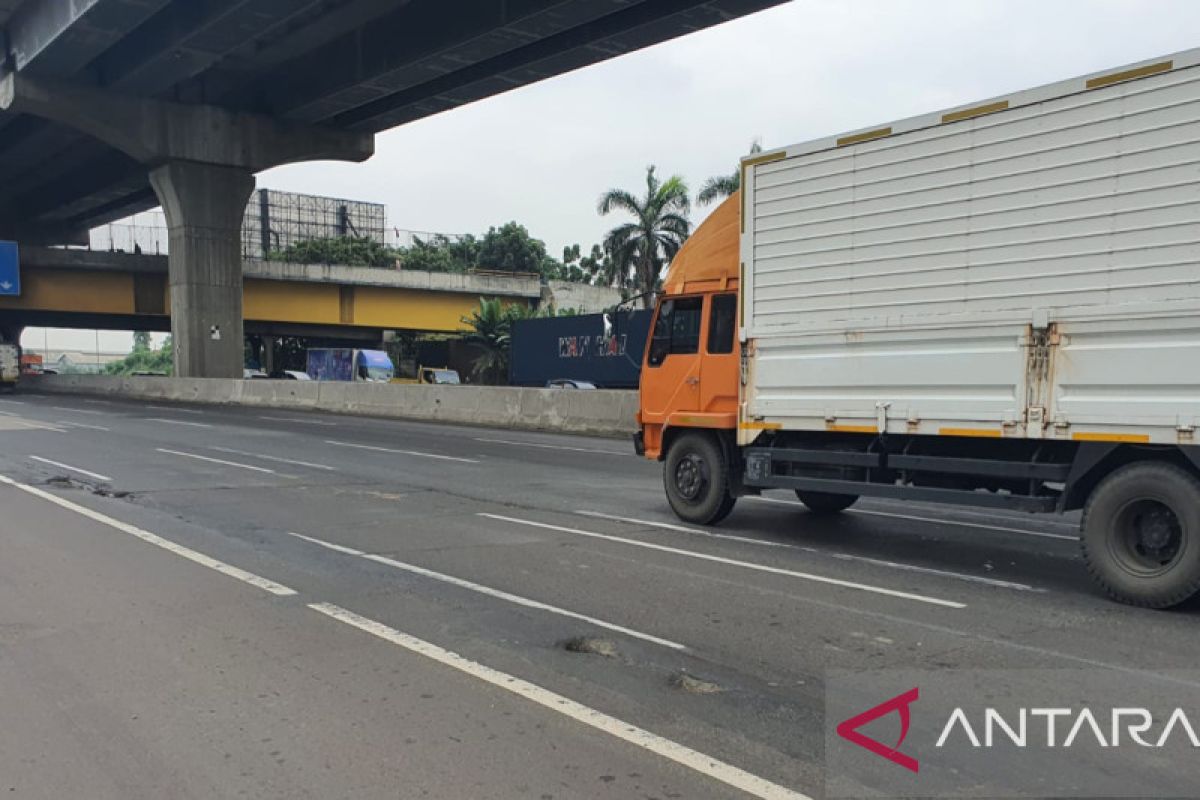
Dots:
(295, 302)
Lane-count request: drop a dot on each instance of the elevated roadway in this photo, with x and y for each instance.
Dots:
(108, 107)
(125, 291)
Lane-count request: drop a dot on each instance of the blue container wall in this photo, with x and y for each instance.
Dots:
(576, 348)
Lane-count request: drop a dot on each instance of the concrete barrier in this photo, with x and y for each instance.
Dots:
(602, 413)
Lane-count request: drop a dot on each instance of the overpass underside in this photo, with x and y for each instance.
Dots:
(108, 107)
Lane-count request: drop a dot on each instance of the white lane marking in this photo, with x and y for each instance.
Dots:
(862, 587)
(24, 424)
(1042, 519)
(684, 756)
(176, 409)
(497, 593)
(695, 531)
(69, 468)
(82, 425)
(216, 460)
(14, 402)
(179, 422)
(166, 544)
(80, 411)
(301, 421)
(97, 402)
(276, 459)
(935, 520)
(403, 452)
(556, 447)
(879, 562)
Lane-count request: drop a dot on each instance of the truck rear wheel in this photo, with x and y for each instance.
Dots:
(826, 503)
(1141, 535)
(696, 478)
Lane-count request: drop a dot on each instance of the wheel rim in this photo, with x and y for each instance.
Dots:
(1149, 537)
(691, 477)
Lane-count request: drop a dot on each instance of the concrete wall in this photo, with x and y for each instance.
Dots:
(580, 295)
(605, 413)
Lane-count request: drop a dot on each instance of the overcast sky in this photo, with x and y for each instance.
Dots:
(542, 155)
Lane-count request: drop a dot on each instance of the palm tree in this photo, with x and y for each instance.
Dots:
(490, 330)
(640, 249)
(719, 187)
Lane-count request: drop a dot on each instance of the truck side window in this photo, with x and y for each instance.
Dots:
(721, 322)
(677, 329)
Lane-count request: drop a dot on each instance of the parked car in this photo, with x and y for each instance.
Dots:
(253, 374)
(294, 375)
(569, 383)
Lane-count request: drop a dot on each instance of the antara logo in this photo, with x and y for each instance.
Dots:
(848, 730)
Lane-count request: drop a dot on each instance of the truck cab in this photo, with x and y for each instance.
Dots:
(690, 372)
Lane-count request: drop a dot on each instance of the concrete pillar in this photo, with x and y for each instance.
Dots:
(204, 205)
(268, 355)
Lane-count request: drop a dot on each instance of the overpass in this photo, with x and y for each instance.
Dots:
(126, 291)
(108, 107)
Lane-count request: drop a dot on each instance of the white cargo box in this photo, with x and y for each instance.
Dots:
(1025, 266)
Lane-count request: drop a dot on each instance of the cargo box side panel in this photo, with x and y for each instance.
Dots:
(909, 269)
(930, 380)
(1138, 378)
(1083, 202)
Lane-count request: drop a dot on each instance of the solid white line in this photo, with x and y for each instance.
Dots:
(82, 425)
(166, 544)
(863, 587)
(80, 411)
(556, 447)
(497, 593)
(935, 520)
(666, 748)
(962, 576)
(301, 421)
(178, 422)
(14, 402)
(216, 460)
(403, 452)
(271, 458)
(69, 468)
(176, 409)
(97, 402)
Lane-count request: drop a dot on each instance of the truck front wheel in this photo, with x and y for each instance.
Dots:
(1141, 535)
(696, 477)
(826, 503)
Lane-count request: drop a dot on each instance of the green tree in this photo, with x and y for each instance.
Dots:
(351, 250)
(640, 249)
(141, 341)
(490, 326)
(719, 187)
(159, 361)
(441, 254)
(510, 248)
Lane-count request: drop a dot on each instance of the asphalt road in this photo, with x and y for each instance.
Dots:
(228, 602)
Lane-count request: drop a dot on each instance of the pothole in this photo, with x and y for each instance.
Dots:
(693, 685)
(590, 645)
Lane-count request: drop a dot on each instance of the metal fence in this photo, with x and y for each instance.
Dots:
(274, 221)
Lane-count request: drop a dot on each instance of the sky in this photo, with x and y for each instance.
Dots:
(543, 154)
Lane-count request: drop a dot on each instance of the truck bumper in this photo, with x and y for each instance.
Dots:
(639, 443)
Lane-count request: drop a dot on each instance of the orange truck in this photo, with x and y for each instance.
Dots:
(994, 305)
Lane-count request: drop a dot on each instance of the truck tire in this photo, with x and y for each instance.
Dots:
(696, 478)
(826, 503)
(1141, 535)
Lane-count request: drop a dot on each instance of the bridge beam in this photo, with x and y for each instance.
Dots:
(201, 161)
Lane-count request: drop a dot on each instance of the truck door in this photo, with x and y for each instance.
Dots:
(671, 379)
(719, 367)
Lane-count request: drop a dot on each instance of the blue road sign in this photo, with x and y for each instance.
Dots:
(10, 269)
